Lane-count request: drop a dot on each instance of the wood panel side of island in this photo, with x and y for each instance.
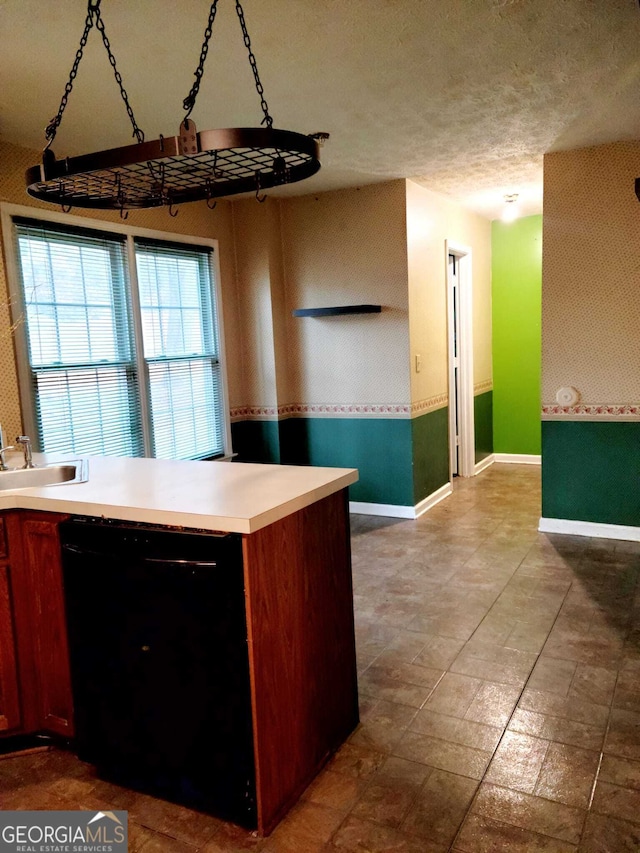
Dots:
(299, 600)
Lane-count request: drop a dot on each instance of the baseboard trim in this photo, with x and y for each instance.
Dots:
(398, 511)
(518, 458)
(484, 463)
(434, 498)
(589, 528)
(389, 510)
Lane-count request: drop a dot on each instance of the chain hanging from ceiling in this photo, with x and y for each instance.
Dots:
(192, 166)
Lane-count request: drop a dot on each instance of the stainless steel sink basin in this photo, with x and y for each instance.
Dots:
(55, 474)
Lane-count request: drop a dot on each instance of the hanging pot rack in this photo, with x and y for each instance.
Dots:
(192, 166)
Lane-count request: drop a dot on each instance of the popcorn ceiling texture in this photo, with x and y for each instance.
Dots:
(591, 278)
(464, 95)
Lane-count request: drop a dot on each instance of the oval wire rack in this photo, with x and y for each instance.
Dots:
(150, 174)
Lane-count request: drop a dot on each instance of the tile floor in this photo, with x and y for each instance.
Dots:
(500, 698)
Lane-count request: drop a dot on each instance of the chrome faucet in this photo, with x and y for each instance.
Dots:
(3, 466)
(25, 441)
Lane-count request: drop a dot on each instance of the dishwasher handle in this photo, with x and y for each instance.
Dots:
(203, 564)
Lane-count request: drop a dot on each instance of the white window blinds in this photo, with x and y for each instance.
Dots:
(91, 377)
(180, 349)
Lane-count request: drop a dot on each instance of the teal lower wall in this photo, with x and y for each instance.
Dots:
(380, 448)
(256, 441)
(591, 471)
(430, 436)
(483, 424)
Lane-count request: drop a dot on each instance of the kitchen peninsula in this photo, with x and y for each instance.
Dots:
(292, 532)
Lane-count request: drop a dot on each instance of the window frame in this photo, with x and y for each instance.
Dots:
(17, 309)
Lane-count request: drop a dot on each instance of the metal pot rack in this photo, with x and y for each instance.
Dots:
(192, 166)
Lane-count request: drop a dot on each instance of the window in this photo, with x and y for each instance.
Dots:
(121, 339)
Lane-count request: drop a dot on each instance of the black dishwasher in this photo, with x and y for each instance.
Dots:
(159, 660)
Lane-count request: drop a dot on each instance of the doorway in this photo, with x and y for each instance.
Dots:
(460, 357)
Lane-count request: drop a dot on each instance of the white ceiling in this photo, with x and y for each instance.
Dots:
(464, 96)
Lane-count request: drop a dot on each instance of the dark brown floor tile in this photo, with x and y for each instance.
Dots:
(453, 729)
(378, 681)
(557, 729)
(383, 726)
(593, 684)
(443, 755)
(363, 836)
(623, 736)
(156, 842)
(567, 775)
(356, 761)
(307, 827)
(529, 812)
(517, 762)
(493, 704)
(233, 839)
(391, 792)
(440, 807)
(178, 822)
(627, 691)
(526, 637)
(494, 663)
(335, 790)
(480, 834)
(620, 771)
(568, 709)
(604, 834)
(408, 673)
(439, 652)
(612, 800)
(552, 675)
(454, 694)
(407, 645)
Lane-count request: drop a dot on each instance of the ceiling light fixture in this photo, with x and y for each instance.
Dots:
(171, 170)
(510, 211)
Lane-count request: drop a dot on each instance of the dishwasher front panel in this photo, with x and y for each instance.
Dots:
(159, 658)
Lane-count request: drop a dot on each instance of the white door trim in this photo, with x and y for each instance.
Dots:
(467, 449)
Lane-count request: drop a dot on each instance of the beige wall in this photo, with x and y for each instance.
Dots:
(347, 247)
(193, 219)
(380, 244)
(431, 220)
(591, 274)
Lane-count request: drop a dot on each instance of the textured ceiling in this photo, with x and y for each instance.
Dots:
(464, 96)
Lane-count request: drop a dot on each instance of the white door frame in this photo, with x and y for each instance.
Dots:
(467, 446)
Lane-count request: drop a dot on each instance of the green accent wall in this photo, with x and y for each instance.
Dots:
(400, 461)
(591, 471)
(483, 424)
(380, 448)
(256, 441)
(430, 437)
(516, 249)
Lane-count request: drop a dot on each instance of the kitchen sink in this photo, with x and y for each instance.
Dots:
(54, 474)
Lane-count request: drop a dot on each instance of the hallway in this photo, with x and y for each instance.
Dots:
(499, 693)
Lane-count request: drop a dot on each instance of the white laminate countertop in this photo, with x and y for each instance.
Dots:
(237, 497)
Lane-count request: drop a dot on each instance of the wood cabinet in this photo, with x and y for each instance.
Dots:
(10, 717)
(32, 613)
(295, 604)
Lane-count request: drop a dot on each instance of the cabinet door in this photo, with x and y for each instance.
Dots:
(42, 570)
(9, 699)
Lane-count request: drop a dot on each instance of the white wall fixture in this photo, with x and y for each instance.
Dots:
(567, 396)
